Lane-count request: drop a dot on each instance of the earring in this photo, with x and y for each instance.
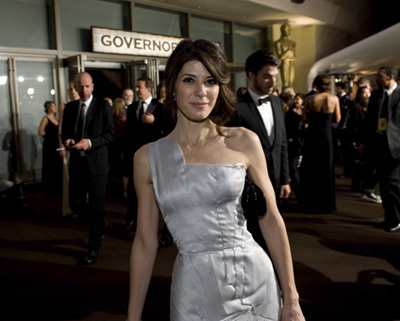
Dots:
(173, 96)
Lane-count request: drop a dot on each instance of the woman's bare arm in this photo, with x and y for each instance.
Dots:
(274, 232)
(144, 247)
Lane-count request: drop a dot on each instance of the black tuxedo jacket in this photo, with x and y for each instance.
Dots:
(99, 128)
(137, 133)
(276, 154)
(374, 137)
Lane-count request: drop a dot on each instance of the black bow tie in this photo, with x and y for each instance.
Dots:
(264, 100)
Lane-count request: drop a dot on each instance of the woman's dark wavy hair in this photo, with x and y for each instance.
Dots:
(214, 60)
(47, 105)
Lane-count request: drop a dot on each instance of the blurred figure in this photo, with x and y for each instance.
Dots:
(275, 92)
(240, 92)
(364, 177)
(118, 164)
(317, 176)
(289, 90)
(109, 100)
(295, 137)
(127, 96)
(287, 101)
(161, 94)
(345, 130)
(51, 162)
(144, 124)
(383, 143)
(314, 89)
(364, 82)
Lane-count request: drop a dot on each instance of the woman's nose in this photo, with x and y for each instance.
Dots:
(200, 90)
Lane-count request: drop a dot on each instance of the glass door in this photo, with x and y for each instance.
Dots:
(74, 65)
(8, 157)
(34, 86)
(25, 85)
(143, 68)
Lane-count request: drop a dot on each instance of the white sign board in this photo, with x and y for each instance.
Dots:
(132, 43)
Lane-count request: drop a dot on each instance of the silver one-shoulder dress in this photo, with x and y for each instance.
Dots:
(220, 272)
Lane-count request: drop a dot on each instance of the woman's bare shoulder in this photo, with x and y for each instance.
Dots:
(241, 137)
(142, 156)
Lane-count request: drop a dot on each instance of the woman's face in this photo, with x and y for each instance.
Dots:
(196, 91)
(298, 101)
(52, 109)
(365, 94)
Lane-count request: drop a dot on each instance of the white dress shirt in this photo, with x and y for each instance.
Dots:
(266, 113)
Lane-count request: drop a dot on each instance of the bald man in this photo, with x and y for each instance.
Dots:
(87, 130)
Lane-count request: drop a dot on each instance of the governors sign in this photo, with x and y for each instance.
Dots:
(132, 43)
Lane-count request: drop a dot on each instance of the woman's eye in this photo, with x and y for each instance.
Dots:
(211, 81)
(188, 80)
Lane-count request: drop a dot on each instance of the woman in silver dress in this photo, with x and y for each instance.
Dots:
(195, 178)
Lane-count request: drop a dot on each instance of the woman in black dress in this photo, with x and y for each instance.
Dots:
(317, 179)
(52, 162)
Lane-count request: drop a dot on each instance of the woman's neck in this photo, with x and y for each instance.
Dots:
(195, 134)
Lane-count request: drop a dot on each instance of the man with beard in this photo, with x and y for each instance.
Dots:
(262, 112)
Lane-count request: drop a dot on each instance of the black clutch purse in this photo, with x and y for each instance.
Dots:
(253, 199)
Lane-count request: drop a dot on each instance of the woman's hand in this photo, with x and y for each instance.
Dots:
(292, 312)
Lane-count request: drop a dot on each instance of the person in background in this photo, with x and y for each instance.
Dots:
(144, 123)
(383, 143)
(289, 90)
(127, 96)
(345, 129)
(364, 82)
(287, 101)
(317, 173)
(118, 164)
(109, 100)
(87, 131)
(240, 92)
(275, 92)
(262, 113)
(295, 136)
(51, 161)
(364, 177)
(195, 176)
(161, 95)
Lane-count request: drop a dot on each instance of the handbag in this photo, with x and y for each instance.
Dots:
(253, 199)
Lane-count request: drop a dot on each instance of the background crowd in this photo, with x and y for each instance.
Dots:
(305, 137)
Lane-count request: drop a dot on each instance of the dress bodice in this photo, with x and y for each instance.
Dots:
(319, 120)
(51, 134)
(203, 200)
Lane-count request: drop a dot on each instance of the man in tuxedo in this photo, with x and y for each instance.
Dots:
(145, 121)
(262, 112)
(383, 143)
(87, 130)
